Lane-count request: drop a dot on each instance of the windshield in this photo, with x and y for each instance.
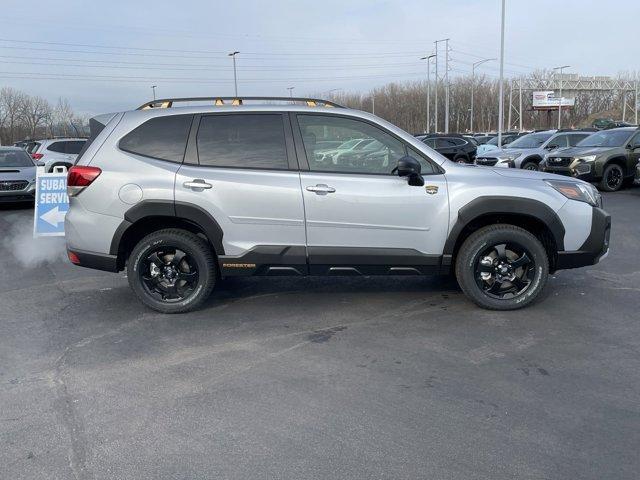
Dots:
(493, 141)
(15, 158)
(533, 140)
(608, 138)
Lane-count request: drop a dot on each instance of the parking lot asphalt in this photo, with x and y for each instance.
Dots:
(318, 378)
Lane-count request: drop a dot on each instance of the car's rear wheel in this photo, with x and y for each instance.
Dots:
(612, 178)
(530, 165)
(462, 159)
(502, 267)
(172, 271)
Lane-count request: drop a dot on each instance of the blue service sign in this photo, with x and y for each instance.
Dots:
(52, 204)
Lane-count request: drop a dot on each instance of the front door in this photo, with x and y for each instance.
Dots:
(240, 168)
(360, 217)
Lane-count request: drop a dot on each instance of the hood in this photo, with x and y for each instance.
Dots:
(17, 173)
(519, 173)
(497, 152)
(486, 148)
(581, 151)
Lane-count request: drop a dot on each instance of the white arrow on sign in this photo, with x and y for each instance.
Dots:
(54, 216)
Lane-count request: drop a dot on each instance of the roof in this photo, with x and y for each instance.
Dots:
(11, 149)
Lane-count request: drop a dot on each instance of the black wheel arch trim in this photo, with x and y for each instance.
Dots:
(167, 208)
(496, 205)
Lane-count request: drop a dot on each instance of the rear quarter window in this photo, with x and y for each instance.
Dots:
(164, 138)
(58, 147)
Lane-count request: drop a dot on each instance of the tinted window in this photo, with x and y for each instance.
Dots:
(15, 158)
(574, 139)
(532, 140)
(426, 165)
(607, 138)
(32, 147)
(242, 141)
(559, 141)
(56, 147)
(379, 156)
(74, 147)
(161, 137)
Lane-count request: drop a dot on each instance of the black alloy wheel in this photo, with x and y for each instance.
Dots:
(502, 267)
(613, 178)
(169, 274)
(504, 270)
(172, 270)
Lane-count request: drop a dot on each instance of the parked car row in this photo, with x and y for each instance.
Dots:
(609, 158)
(53, 152)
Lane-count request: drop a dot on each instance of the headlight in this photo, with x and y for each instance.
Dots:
(587, 158)
(582, 192)
(509, 158)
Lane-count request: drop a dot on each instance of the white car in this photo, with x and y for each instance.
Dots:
(56, 152)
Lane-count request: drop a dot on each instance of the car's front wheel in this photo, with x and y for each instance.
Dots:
(172, 271)
(530, 165)
(612, 178)
(502, 267)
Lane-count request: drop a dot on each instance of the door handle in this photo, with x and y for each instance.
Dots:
(321, 189)
(197, 184)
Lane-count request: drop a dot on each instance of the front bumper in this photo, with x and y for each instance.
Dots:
(595, 247)
(25, 195)
(578, 171)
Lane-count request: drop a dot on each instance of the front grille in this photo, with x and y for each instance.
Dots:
(486, 161)
(559, 161)
(13, 185)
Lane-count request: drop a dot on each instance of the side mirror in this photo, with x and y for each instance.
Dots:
(410, 167)
(407, 166)
(552, 147)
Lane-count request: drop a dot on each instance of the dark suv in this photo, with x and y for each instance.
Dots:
(454, 147)
(608, 158)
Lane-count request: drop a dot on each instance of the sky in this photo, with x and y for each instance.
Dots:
(105, 56)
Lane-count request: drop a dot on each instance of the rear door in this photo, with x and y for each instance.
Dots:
(360, 217)
(241, 169)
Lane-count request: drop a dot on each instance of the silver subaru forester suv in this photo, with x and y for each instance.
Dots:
(181, 196)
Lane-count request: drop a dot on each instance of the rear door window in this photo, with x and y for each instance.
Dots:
(574, 139)
(164, 138)
(242, 141)
(58, 147)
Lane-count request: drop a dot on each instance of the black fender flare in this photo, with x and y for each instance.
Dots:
(167, 208)
(496, 205)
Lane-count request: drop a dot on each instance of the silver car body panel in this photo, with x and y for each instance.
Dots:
(275, 208)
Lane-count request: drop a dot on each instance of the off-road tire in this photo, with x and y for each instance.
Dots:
(198, 251)
(472, 249)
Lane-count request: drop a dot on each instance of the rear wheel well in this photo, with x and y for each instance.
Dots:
(143, 227)
(533, 225)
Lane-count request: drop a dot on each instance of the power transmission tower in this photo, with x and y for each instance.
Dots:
(446, 84)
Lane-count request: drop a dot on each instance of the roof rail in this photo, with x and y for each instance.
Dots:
(169, 102)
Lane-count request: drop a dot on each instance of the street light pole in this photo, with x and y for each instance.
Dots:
(428, 59)
(501, 100)
(290, 91)
(473, 84)
(560, 99)
(153, 87)
(235, 74)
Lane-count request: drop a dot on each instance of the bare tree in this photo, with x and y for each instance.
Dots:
(11, 101)
(34, 112)
(63, 117)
